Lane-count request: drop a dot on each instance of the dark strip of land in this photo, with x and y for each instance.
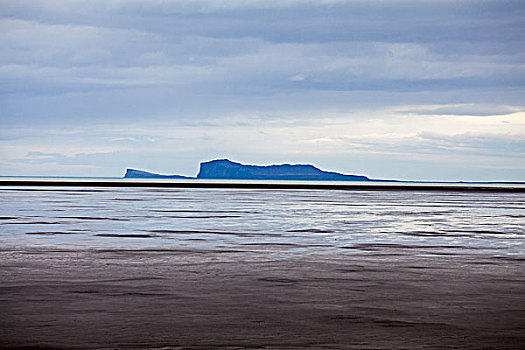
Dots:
(373, 186)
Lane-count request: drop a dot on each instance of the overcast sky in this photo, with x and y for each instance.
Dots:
(401, 89)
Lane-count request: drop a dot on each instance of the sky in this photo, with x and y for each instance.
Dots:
(393, 89)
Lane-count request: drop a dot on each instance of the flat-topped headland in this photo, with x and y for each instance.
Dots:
(225, 169)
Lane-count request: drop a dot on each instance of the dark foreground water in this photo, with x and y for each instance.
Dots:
(220, 268)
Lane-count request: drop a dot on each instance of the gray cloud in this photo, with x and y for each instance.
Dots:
(273, 47)
(481, 110)
(193, 64)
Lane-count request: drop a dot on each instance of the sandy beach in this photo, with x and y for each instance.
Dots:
(145, 268)
(225, 299)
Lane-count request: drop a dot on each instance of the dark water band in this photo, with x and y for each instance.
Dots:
(374, 186)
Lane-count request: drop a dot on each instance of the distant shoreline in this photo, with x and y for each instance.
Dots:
(307, 185)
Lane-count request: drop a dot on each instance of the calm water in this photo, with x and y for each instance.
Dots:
(264, 223)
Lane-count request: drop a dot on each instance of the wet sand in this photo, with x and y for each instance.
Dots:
(221, 298)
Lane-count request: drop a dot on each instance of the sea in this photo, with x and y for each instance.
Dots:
(263, 222)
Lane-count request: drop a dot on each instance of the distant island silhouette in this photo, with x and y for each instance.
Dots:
(226, 169)
(141, 174)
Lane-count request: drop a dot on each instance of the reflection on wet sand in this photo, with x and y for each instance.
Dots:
(139, 268)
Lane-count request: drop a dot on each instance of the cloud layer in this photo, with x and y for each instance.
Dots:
(95, 86)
